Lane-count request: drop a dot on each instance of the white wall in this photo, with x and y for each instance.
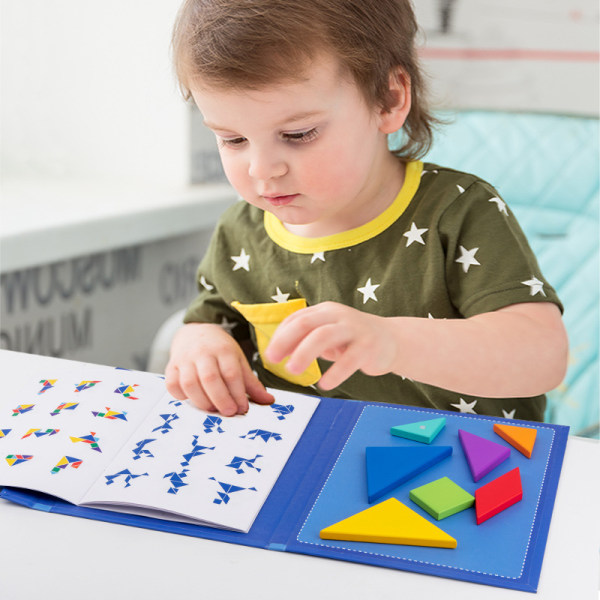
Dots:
(523, 55)
(87, 92)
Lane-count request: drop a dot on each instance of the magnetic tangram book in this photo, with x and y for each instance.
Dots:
(455, 495)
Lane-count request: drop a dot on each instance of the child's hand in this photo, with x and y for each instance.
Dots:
(208, 367)
(348, 337)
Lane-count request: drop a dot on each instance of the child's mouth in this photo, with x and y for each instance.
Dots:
(280, 200)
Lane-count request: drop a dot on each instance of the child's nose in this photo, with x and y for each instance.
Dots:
(266, 165)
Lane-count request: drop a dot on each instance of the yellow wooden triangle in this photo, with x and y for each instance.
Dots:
(389, 522)
(522, 438)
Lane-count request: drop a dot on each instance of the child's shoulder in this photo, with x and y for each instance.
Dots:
(446, 176)
(449, 185)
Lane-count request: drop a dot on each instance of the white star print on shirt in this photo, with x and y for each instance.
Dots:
(501, 205)
(207, 286)
(280, 296)
(535, 286)
(368, 291)
(467, 258)
(242, 261)
(509, 415)
(414, 234)
(228, 325)
(317, 256)
(466, 407)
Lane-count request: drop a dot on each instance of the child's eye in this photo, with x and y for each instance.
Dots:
(301, 136)
(231, 141)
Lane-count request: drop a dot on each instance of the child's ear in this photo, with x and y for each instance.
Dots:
(392, 116)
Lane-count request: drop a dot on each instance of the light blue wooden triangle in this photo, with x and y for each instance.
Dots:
(389, 467)
(420, 431)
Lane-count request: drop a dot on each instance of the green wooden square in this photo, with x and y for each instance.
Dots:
(441, 498)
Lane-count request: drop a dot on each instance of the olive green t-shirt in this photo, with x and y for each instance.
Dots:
(447, 248)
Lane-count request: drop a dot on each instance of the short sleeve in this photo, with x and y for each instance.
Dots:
(210, 306)
(489, 263)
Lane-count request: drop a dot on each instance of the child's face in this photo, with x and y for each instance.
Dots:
(311, 152)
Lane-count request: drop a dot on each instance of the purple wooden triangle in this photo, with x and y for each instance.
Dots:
(482, 455)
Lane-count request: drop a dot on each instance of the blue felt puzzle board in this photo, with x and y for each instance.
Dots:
(500, 548)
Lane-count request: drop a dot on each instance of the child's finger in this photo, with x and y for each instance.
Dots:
(230, 367)
(214, 387)
(347, 364)
(292, 331)
(172, 383)
(319, 342)
(254, 388)
(186, 386)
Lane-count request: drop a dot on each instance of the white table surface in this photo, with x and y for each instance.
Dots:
(54, 557)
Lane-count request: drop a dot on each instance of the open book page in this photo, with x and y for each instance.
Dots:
(61, 421)
(216, 470)
(116, 439)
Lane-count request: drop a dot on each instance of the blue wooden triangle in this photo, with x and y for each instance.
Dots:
(389, 467)
(420, 431)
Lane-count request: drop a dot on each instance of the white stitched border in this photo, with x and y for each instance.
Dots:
(412, 560)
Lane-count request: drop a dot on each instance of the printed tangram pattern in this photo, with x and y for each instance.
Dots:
(112, 438)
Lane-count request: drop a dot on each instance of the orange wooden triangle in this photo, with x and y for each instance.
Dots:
(522, 438)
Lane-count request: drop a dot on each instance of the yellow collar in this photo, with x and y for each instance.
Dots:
(302, 245)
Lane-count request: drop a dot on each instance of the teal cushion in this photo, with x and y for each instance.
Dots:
(546, 167)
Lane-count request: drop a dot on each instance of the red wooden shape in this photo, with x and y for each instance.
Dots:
(498, 495)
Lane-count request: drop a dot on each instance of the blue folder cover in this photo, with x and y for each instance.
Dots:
(324, 481)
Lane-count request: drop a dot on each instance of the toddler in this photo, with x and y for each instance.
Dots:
(349, 269)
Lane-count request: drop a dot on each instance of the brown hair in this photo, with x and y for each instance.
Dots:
(253, 43)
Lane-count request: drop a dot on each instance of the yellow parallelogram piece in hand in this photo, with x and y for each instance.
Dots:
(389, 522)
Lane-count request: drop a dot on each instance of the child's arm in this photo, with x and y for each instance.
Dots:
(208, 367)
(517, 351)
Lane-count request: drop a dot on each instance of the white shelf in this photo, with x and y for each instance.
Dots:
(47, 221)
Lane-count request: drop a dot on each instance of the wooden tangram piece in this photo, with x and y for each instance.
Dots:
(420, 431)
(522, 438)
(442, 498)
(389, 522)
(498, 495)
(388, 467)
(482, 455)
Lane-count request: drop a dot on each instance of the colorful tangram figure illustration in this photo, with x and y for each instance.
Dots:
(111, 414)
(141, 450)
(228, 488)
(263, 434)
(166, 426)
(85, 385)
(4, 432)
(17, 459)
(90, 439)
(47, 384)
(282, 410)
(197, 450)
(64, 406)
(126, 474)
(176, 402)
(238, 462)
(65, 461)
(176, 480)
(39, 433)
(22, 409)
(212, 424)
(127, 391)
